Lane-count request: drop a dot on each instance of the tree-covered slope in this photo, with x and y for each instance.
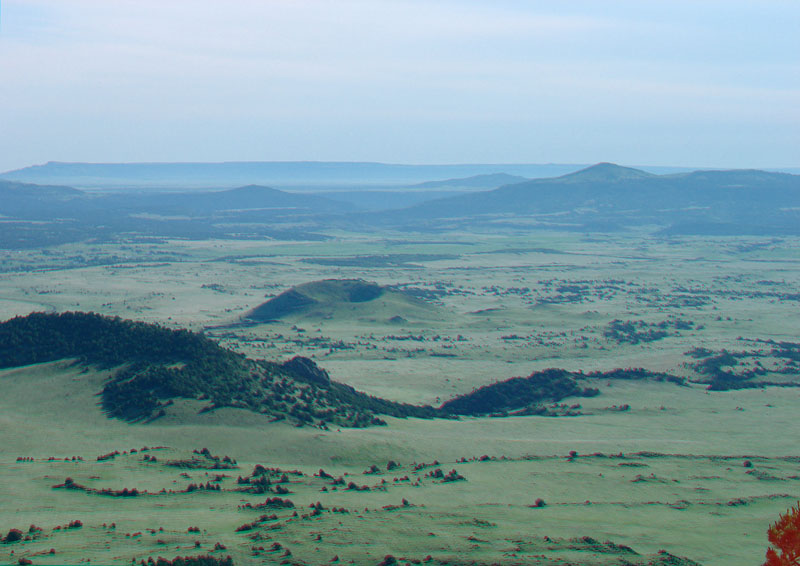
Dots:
(154, 365)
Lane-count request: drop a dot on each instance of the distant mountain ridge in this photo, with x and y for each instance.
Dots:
(601, 198)
(37, 215)
(607, 197)
(281, 174)
(67, 200)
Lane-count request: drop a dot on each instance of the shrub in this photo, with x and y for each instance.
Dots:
(453, 475)
(13, 535)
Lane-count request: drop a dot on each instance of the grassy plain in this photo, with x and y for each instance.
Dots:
(497, 306)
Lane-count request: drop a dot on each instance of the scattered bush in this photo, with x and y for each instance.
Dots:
(13, 535)
(203, 560)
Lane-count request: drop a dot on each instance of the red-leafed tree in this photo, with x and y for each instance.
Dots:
(784, 535)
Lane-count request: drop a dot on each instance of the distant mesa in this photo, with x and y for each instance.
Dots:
(485, 182)
(331, 298)
(277, 174)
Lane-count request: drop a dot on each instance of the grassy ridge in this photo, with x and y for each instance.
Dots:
(157, 365)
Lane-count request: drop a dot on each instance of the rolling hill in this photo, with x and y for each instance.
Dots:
(153, 366)
(344, 298)
(37, 215)
(23, 200)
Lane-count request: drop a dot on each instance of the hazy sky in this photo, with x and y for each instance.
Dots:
(647, 82)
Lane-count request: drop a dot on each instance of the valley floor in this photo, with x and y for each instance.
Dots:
(700, 474)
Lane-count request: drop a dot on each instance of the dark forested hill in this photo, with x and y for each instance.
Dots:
(31, 201)
(155, 365)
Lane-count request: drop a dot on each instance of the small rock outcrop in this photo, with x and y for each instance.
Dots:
(307, 370)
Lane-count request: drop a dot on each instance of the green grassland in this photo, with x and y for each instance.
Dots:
(460, 311)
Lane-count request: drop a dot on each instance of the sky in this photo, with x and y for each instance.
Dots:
(684, 83)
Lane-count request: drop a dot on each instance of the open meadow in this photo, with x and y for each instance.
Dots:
(642, 466)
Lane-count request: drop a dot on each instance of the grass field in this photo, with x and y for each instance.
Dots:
(698, 473)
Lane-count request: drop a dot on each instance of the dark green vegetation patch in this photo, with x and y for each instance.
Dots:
(157, 365)
(518, 392)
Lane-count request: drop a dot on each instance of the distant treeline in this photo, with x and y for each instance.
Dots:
(525, 395)
(725, 370)
(517, 393)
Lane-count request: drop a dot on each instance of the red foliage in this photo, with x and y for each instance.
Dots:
(784, 535)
